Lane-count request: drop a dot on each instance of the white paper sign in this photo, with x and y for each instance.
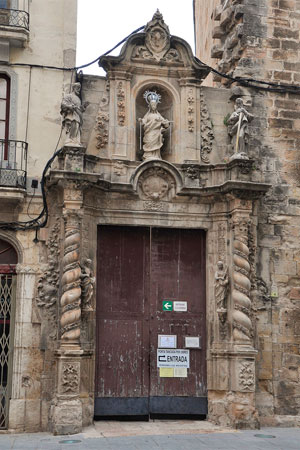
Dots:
(167, 341)
(180, 306)
(173, 358)
(192, 342)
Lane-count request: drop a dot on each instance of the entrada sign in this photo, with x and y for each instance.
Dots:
(173, 358)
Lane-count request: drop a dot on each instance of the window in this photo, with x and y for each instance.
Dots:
(4, 111)
(4, 4)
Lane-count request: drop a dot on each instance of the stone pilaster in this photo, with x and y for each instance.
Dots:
(66, 411)
(231, 363)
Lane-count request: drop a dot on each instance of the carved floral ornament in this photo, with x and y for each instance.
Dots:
(70, 378)
(155, 184)
(246, 376)
(157, 42)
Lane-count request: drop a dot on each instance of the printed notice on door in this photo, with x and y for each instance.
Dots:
(173, 358)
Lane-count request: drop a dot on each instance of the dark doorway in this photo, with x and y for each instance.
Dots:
(138, 269)
(8, 261)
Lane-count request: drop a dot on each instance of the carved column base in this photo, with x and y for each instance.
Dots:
(66, 409)
(231, 388)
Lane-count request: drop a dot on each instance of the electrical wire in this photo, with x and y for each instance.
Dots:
(247, 82)
(41, 220)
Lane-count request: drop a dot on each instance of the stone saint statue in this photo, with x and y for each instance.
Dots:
(238, 129)
(154, 124)
(88, 282)
(221, 285)
(71, 111)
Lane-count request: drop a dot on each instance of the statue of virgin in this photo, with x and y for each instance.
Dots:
(154, 124)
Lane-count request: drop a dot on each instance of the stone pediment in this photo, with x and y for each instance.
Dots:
(155, 46)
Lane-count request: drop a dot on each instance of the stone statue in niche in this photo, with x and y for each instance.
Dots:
(71, 112)
(88, 282)
(154, 125)
(238, 129)
(221, 286)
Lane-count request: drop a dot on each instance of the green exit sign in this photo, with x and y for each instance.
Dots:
(167, 305)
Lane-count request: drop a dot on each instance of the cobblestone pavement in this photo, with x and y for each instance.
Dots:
(156, 435)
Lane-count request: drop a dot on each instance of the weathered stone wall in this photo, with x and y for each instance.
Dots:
(260, 39)
(36, 95)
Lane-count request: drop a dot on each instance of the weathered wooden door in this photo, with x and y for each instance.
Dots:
(138, 268)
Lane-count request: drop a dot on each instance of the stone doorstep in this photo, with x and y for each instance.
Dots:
(107, 429)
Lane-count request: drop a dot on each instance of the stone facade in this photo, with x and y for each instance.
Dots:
(35, 97)
(260, 39)
(247, 204)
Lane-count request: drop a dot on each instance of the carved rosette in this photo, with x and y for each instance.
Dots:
(242, 325)
(206, 129)
(191, 110)
(71, 280)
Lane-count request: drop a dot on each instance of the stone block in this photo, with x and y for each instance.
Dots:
(17, 414)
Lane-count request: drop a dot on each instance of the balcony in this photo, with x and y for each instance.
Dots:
(14, 24)
(13, 164)
(14, 18)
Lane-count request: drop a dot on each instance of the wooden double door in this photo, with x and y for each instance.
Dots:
(137, 269)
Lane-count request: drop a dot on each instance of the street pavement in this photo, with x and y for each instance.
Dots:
(156, 435)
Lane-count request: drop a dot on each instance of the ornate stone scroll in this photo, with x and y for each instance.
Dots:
(48, 282)
(121, 104)
(206, 129)
(70, 282)
(222, 241)
(101, 129)
(242, 325)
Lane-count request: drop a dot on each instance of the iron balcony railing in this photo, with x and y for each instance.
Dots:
(14, 18)
(13, 163)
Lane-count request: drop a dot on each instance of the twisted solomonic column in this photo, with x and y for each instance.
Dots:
(70, 282)
(242, 325)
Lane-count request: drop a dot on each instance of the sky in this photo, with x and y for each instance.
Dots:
(104, 23)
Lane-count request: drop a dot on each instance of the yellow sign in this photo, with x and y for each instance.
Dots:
(166, 372)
